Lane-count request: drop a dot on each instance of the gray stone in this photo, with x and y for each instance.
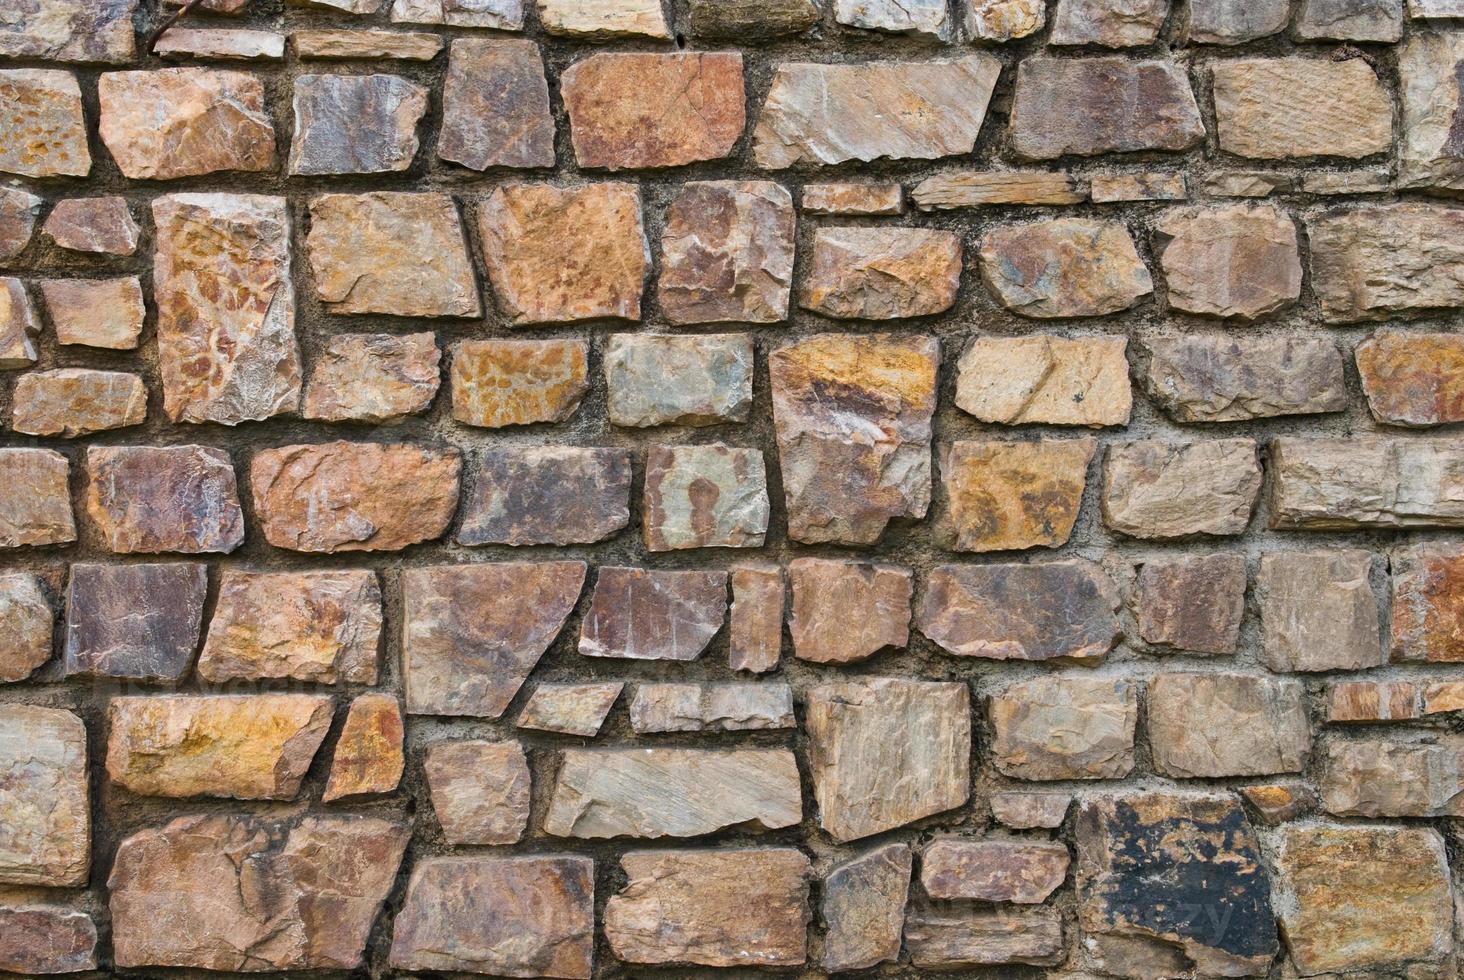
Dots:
(496, 106)
(1095, 716)
(603, 19)
(152, 499)
(1021, 810)
(1131, 24)
(139, 622)
(711, 496)
(503, 15)
(864, 908)
(650, 614)
(332, 45)
(664, 380)
(1236, 21)
(1157, 489)
(1198, 378)
(970, 937)
(1210, 725)
(355, 124)
(1351, 20)
(546, 495)
(737, 707)
(1318, 611)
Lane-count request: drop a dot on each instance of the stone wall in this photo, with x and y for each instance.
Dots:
(604, 488)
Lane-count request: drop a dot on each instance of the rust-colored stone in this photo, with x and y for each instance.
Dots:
(847, 611)
(368, 756)
(727, 253)
(882, 273)
(1004, 496)
(36, 506)
(100, 225)
(496, 383)
(1413, 379)
(46, 939)
(72, 402)
(1428, 605)
(755, 638)
(19, 325)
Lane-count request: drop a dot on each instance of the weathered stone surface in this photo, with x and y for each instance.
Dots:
(663, 380)
(633, 110)
(531, 915)
(1444, 697)
(853, 417)
(1003, 495)
(183, 122)
(1021, 810)
(546, 495)
(1432, 142)
(496, 106)
(480, 791)
(1413, 379)
(979, 188)
(1425, 9)
(565, 254)
(864, 908)
(68, 30)
(332, 45)
(345, 496)
(373, 377)
(1065, 728)
(45, 134)
(36, 508)
(711, 908)
(648, 614)
(45, 820)
(1428, 604)
(1152, 185)
(570, 709)
(249, 747)
(1131, 24)
(1363, 898)
(497, 383)
(391, 252)
(355, 124)
(1064, 267)
(755, 632)
(1382, 777)
(1352, 20)
(105, 313)
(1281, 108)
(884, 752)
(602, 19)
(727, 253)
(345, 6)
(26, 623)
(152, 499)
(101, 225)
(870, 200)
(1276, 803)
(471, 634)
(743, 20)
(666, 792)
(928, 17)
(19, 211)
(1193, 603)
(140, 622)
(901, 110)
(882, 273)
(1088, 106)
(712, 496)
(1373, 263)
(226, 7)
(1147, 860)
(76, 402)
(226, 307)
(1366, 482)
(1370, 701)
(847, 611)
(1047, 379)
(1238, 21)
(1197, 378)
(1004, 20)
(1158, 489)
(1318, 611)
(232, 45)
(1236, 261)
(18, 325)
(1025, 872)
(1207, 725)
(240, 893)
(318, 626)
(736, 707)
(368, 756)
(1377, 180)
(46, 939)
(503, 15)
(1042, 611)
(957, 938)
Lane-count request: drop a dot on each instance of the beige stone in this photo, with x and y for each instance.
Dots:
(603, 19)
(26, 626)
(980, 188)
(1318, 611)
(1130, 24)
(1007, 496)
(570, 709)
(929, 18)
(1144, 185)
(1282, 108)
(853, 199)
(1064, 727)
(480, 791)
(882, 273)
(1021, 810)
(45, 133)
(1237, 261)
(969, 937)
(72, 402)
(1366, 481)
(734, 707)
(1158, 489)
(1388, 777)
(847, 611)
(1220, 378)
(496, 106)
(134, 621)
(1209, 725)
(1373, 263)
(45, 814)
(19, 211)
(1045, 378)
(1431, 142)
(368, 759)
(105, 313)
(355, 124)
(1064, 267)
(373, 377)
(213, 45)
(1238, 21)
(1373, 701)
(497, 383)
(330, 45)
(184, 122)
(69, 30)
(36, 507)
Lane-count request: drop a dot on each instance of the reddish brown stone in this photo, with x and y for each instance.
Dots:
(26, 623)
(103, 225)
(480, 791)
(1413, 379)
(105, 313)
(152, 499)
(183, 122)
(755, 640)
(854, 199)
(368, 756)
(518, 382)
(546, 495)
(36, 507)
(993, 870)
(496, 106)
(847, 611)
(71, 402)
(46, 939)
(882, 273)
(1373, 701)
(1064, 267)
(1193, 603)
(373, 377)
(140, 622)
(1428, 605)
(712, 496)
(727, 253)
(646, 614)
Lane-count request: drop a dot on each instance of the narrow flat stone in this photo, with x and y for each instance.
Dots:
(1000, 21)
(98, 225)
(1377, 262)
(45, 133)
(1150, 185)
(72, 402)
(1224, 378)
(502, 15)
(1282, 108)
(69, 30)
(1431, 141)
(1318, 611)
(928, 18)
(736, 707)
(1024, 872)
(480, 791)
(140, 622)
(1346, 182)
(853, 199)
(1045, 378)
(1413, 379)
(373, 377)
(847, 611)
(368, 759)
(1428, 604)
(248, 747)
(1132, 25)
(900, 110)
(106, 313)
(1384, 777)
(214, 45)
(1005, 496)
(1366, 482)
(472, 634)
(1156, 489)
(727, 253)
(1021, 810)
(19, 325)
(36, 510)
(1352, 20)
(184, 122)
(1238, 261)
(45, 816)
(664, 380)
(1042, 611)
(26, 625)
(711, 496)
(1351, 702)
(365, 45)
(496, 106)
(496, 383)
(46, 939)
(1193, 603)
(227, 349)
(1237, 21)
(320, 626)
(970, 938)
(152, 499)
(1064, 267)
(755, 632)
(743, 20)
(354, 496)
(546, 495)
(355, 124)
(982, 188)
(19, 211)
(648, 614)
(570, 709)
(884, 752)
(665, 792)
(1211, 725)
(1096, 716)
(603, 19)
(1426, 9)
(882, 273)
(864, 908)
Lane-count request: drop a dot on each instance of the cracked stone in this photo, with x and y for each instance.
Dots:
(868, 200)
(664, 380)
(45, 133)
(546, 495)
(1064, 728)
(1380, 777)
(712, 496)
(45, 816)
(847, 611)
(1284, 108)
(496, 106)
(1130, 24)
(727, 253)
(957, 938)
(925, 17)
(373, 377)
(1004, 20)
(1374, 263)
(480, 791)
(1004, 495)
(1428, 604)
(497, 383)
(1156, 489)
(152, 499)
(882, 273)
(19, 325)
(1046, 379)
(72, 402)
(183, 122)
(1366, 482)
(651, 614)
(1064, 267)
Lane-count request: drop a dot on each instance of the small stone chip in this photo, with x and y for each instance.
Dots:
(72, 402)
(861, 200)
(664, 380)
(106, 313)
(649, 614)
(184, 122)
(480, 791)
(1008, 496)
(100, 225)
(1064, 267)
(366, 45)
(847, 611)
(882, 273)
(45, 125)
(727, 253)
(604, 19)
(546, 495)
(1159, 490)
(368, 758)
(373, 377)
(152, 499)
(355, 124)
(1045, 378)
(497, 383)
(1096, 716)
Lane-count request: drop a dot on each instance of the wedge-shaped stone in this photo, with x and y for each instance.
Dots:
(26, 625)
(1209, 725)
(853, 417)
(1281, 108)
(737, 707)
(19, 325)
(368, 758)
(1428, 604)
(71, 402)
(140, 622)
(36, 507)
(480, 791)
(662, 380)
(240, 893)
(355, 124)
(1003, 495)
(496, 106)
(19, 211)
(472, 633)
(1158, 489)
(633, 110)
(649, 614)
(373, 377)
(1238, 261)
(523, 916)
(1318, 611)
(565, 254)
(968, 937)
(1366, 482)
(1145, 859)
(69, 30)
(755, 633)
(661, 792)
(1065, 728)
(1046, 378)
(46, 939)
(602, 19)
(993, 870)
(742, 20)
(1091, 106)
(1130, 25)
(1413, 379)
(712, 908)
(882, 273)
(1383, 777)
(151, 499)
(1431, 154)
(712, 496)
(345, 496)
(496, 383)
(1041, 611)
(1193, 603)
(320, 627)
(106, 313)
(97, 225)
(45, 816)
(979, 188)
(864, 908)
(249, 747)
(226, 307)
(1064, 267)
(1374, 263)
(1197, 378)
(900, 110)
(502, 15)
(727, 253)
(391, 252)
(547, 495)
(570, 709)
(1363, 898)
(847, 611)
(885, 752)
(184, 122)
(45, 125)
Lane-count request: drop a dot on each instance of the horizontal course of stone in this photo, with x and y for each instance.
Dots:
(574, 488)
